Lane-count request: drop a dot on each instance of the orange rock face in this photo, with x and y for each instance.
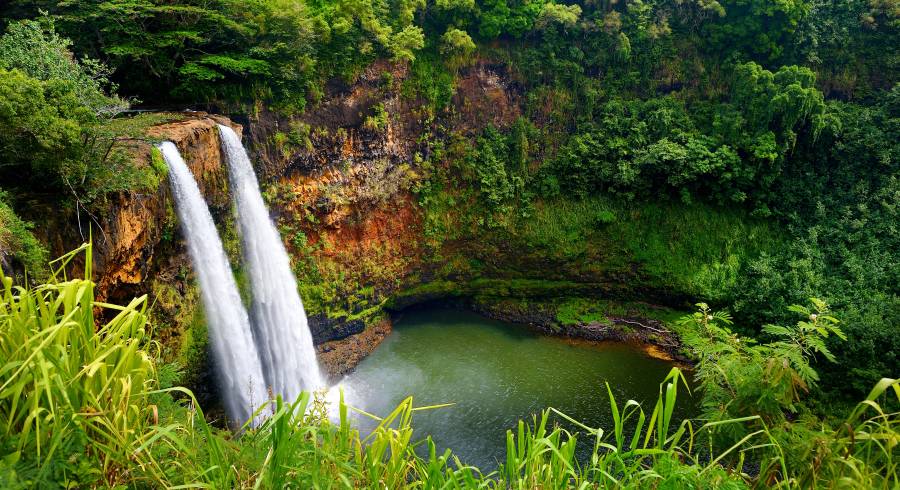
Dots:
(349, 188)
(126, 246)
(347, 185)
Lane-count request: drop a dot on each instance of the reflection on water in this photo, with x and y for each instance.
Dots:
(495, 374)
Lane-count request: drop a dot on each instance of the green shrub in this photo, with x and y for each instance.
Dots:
(34, 47)
(17, 241)
(378, 120)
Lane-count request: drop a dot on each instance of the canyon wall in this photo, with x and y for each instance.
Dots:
(343, 179)
(134, 245)
(345, 182)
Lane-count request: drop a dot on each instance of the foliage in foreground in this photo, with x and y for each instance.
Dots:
(81, 406)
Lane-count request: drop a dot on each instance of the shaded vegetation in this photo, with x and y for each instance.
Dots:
(81, 408)
(18, 243)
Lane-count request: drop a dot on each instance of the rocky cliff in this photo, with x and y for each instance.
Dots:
(344, 181)
(137, 245)
(134, 246)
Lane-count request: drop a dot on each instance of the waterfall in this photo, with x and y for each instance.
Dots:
(280, 326)
(238, 365)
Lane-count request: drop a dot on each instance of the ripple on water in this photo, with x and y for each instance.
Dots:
(494, 373)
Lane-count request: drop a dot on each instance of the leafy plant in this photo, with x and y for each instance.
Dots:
(66, 389)
(730, 367)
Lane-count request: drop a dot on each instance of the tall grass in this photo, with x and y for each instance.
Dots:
(81, 406)
(65, 384)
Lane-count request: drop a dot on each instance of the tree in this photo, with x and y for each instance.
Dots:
(34, 47)
(554, 14)
(493, 19)
(765, 114)
(457, 46)
(761, 28)
(200, 50)
(41, 124)
(461, 6)
(404, 44)
(56, 119)
(508, 17)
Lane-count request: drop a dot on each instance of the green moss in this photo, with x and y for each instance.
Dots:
(136, 127)
(696, 250)
(565, 228)
(159, 169)
(368, 313)
(158, 162)
(193, 351)
(491, 288)
(577, 311)
(179, 322)
(580, 310)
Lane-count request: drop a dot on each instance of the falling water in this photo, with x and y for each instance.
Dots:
(283, 337)
(238, 364)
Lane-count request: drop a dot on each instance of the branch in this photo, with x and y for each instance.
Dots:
(630, 322)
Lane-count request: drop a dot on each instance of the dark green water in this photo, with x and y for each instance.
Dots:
(495, 374)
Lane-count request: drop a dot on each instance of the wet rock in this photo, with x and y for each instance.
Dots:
(339, 357)
(326, 329)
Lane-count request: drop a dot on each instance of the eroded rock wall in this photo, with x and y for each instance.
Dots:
(138, 248)
(341, 180)
(137, 239)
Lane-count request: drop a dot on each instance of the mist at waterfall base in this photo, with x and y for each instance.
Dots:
(496, 374)
(283, 339)
(239, 370)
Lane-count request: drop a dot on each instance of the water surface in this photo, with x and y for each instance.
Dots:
(495, 373)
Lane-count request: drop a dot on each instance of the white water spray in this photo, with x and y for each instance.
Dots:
(239, 373)
(279, 320)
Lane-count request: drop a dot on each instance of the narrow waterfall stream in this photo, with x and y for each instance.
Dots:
(279, 320)
(240, 372)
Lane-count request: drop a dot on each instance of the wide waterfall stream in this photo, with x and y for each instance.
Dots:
(283, 339)
(273, 354)
(495, 374)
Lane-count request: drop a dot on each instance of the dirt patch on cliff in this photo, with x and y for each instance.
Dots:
(485, 96)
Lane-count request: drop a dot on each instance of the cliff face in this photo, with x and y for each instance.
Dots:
(342, 181)
(346, 183)
(129, 253)
(138, 246)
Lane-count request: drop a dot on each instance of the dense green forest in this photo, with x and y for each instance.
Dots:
(772, 125)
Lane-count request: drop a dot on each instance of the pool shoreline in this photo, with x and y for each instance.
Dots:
(340, 357)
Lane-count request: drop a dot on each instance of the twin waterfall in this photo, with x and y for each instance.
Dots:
(273, 354)
(239, 368)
